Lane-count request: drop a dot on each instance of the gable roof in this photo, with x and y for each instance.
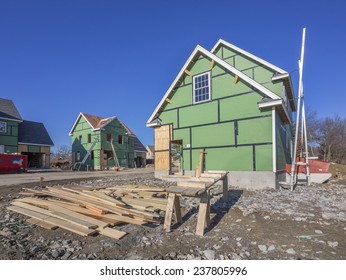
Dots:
(33, 133)
(150, 148)
(200, 50)
(96, 122)
(280, 73)
(9, 111)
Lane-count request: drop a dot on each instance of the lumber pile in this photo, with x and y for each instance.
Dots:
(87, 211)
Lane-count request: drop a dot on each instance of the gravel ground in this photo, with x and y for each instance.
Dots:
(308, 223)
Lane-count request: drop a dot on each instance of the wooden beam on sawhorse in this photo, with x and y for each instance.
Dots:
(203, 220)
(173, 206)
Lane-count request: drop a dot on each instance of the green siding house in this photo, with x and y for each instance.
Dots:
(18, 136)
(95, 140)
(236, 106)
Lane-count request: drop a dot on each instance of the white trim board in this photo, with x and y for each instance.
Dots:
(250, 55)
(219, 61)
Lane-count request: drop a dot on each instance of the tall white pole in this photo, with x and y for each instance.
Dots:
(301, 64)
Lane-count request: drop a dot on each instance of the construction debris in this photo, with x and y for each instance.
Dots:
(89, 211)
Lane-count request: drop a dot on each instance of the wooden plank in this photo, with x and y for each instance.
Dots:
(169, 212)
(73, 220)
(41, 224)
(212, 62)
(168, 101)
(54, 221)
(113, 233)
(59, 209)
(90, 194)
(188, 72)
(95, 209)
(61, 216)
(211, 175)
(96, 206)
(177, 210)
(191, 184)
(203, 219)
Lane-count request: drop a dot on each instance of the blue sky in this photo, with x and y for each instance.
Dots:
(103, 57)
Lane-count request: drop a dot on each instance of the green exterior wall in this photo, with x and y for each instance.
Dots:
(10, 138)
(125, 151)
(235, 133)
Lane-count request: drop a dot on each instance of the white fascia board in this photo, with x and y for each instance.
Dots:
(250, 55)
(271, 103)
(174, 83)
(107, 122)
(9, 119)
(35, 144)
(75, 123)
(219, 61)
(274, 139)
(275, 103)
(280, 77)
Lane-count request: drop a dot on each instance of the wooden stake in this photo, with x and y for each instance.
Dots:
(169, 212)
(203, 220)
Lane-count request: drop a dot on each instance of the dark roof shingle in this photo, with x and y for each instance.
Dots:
(33, 133)
(8, 110)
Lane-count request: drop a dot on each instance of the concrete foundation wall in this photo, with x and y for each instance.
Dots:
(251, 180)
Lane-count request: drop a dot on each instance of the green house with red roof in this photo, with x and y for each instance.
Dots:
(100, 143)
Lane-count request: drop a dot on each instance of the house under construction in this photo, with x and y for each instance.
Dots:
(102, 143)
(234, 105)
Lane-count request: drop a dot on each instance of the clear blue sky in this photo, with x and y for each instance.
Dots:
(109, 57)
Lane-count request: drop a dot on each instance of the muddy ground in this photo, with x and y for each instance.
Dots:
(308, 223)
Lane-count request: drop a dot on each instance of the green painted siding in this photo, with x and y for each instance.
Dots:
(10, 138)
(201, 113)
(250, 68)
(231, 127)
(124, 150)
(34, 149)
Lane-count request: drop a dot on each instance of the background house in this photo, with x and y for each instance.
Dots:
(150, 154)
(18, 136)
(95, 140)
(237, 107)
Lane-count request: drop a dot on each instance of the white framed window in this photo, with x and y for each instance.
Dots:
(201, 88)
(3, 127)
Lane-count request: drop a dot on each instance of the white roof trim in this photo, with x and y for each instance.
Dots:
(35, 144)
(75, 123)
(280, 77)
(274, 104)
(256, 58)
(219, 61)
(271, 103)
(14, 120)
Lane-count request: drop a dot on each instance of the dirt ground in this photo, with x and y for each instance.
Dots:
(308, 223)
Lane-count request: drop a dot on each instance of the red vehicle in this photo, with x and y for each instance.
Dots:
(13, 163)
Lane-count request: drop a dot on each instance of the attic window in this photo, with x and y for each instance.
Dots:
(201, 88)
(3, 127)
(120, 139)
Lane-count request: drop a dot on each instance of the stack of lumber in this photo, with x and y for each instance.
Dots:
(87, 211)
